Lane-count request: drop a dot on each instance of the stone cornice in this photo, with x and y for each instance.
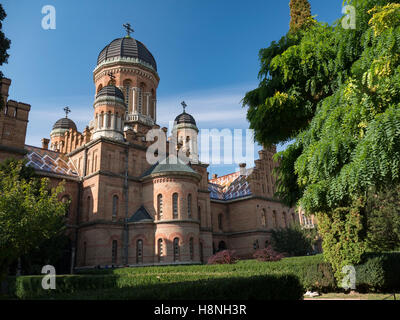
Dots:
(174, 221)
(224, 234)
(124, 66)
(111, 174)
(204, 191)
(56, 175)
(100, 222)
(246, 198)
(172, 174)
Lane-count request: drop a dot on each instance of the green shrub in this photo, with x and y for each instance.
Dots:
(379, 272)
(292, 241)
(270, 287)
(320, 277)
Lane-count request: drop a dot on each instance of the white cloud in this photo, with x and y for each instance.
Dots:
(214, 108)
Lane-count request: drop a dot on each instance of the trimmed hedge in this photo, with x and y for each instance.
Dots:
(320, 277)
(305, 268)
(266, 287)
(379, 272)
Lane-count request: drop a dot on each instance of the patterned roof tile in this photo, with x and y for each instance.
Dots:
(229, 187)
(50, 161)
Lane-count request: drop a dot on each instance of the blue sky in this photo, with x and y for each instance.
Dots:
(206, 51)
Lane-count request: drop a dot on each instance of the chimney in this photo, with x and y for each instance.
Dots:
(242, 169)
(214, 176)
(45, 143)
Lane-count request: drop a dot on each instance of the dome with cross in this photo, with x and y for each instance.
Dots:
(185, 117)
(127, 49)
(64, 124)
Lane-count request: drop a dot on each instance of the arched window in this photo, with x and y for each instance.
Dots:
(160, 206)
(266, 243)
(114, 207)
(256, 244)
(275, 219)
(139, 251)
(114, 252)
(127, 87)
(199, 213)
(99, 88)
(264, 218)
(152, 109)
(102, 119)
(176, 249)
(160, 249)
(222, 246)
(201, 252)
(293, 217)
(67, 202)
(220, 224)
(88, 165)
(109, 119)
(84, 254)
(175, 205)
(285, 219)
(191, 248)
(117, 124)
(189, 204)
(140, 98)
(88, 207)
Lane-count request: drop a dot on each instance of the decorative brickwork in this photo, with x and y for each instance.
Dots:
(125, 211)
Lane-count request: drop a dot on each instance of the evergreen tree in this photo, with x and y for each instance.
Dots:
(300, 13)
(4, 46)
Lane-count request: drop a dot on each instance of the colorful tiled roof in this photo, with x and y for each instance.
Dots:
(50, 161)
(229, 187)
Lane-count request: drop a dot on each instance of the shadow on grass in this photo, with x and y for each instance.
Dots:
(268, 287)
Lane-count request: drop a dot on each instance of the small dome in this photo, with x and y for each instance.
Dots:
(65, 123)
(185, 118)
(127, 47)
(171, 164)
(110, 91)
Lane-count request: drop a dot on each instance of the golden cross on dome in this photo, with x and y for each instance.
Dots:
(128, 29)
(67, 110)
(184, 105)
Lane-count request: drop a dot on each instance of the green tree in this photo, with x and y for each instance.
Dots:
(294, 241)
(4, 46)
(335, 94)
(300, 13)
(383, 219)
(54, 251)
(28, 215)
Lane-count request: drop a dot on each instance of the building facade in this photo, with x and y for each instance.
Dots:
(126, 211)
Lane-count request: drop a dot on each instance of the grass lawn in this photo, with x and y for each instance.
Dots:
(356, 296)
(247, 279)
(146, 282)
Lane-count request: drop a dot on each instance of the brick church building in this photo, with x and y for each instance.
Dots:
(125, 211)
